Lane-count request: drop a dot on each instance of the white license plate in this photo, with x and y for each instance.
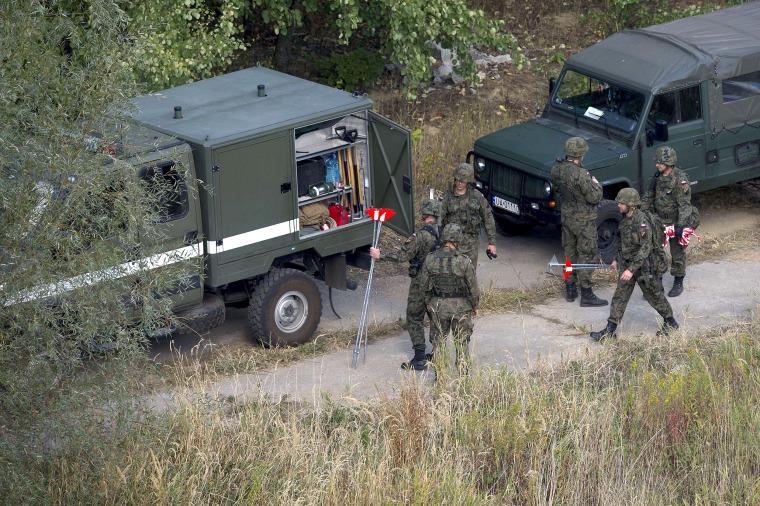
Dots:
(506, 205)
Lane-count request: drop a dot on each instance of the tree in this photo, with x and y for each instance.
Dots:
(402, 30)
(71, 210)
(182, 42)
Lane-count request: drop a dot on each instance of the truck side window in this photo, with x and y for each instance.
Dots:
(663, 108)
(741, 87)
(690, 104)
(676, 106)
(168, 183)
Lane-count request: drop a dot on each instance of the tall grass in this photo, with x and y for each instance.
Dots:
(657, 421)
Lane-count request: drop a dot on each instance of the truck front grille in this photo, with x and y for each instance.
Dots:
(515, 183)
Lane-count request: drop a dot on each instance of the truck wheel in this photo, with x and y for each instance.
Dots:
(199, 320)
(608, 220)
(285, 308)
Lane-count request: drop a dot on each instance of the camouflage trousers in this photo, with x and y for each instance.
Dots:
(651, 287)
(453, 315)
(580, 244)
(469, 246)
(678, 258)
(415, 314)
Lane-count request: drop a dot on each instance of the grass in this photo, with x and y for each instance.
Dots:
(651, 421)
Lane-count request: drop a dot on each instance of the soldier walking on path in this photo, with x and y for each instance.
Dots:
(580, 193)
(669, 198)
(468, 208)
(416, 248)
(642, 261)
(451, 295)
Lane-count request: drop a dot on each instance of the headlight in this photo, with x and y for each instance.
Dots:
(547, 188)
(480, 164)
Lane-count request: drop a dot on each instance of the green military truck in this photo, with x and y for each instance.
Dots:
(258, 140)
(692, 84)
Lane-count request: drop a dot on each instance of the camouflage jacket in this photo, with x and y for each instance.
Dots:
(635, 244)
(669, 197)
(470, 211)
(447, 272)
(416, 248)
(579, 193)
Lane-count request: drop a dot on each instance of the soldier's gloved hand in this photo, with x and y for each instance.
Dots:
(678, 230)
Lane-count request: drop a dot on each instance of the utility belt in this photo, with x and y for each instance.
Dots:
(453, 295)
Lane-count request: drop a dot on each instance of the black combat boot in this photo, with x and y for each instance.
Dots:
(677, 287)
(668, 326)
(418, 363)
(588, 299)
(572, 292)
(610, 332)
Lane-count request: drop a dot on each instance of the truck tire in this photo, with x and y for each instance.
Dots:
(608, 220)
(285, 308)
(199, 320)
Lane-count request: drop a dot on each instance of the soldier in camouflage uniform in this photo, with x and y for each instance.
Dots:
(414, 251)
(669, 198)
(580, 193)
(640, 263)
(466, 206)
(451, 295)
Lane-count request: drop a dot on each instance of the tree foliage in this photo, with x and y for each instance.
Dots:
(184, 41)
(70, 208)
(402, 31)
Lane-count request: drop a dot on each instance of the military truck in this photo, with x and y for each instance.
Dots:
(692, 84)
(258, 140)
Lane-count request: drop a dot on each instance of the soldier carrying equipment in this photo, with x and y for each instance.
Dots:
(669, 199)
(640, 260)
(415, 249)
(580, 193)
(451, 295)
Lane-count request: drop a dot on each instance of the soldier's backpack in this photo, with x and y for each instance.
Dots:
(415, 264)
(693, 219)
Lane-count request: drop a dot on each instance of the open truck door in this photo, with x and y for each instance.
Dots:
(390, 147)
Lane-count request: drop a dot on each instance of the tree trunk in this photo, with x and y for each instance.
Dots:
(282, 47)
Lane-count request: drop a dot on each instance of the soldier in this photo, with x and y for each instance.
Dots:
(414, 251)
(640, 263)
(669, 198)
(451, 294)
(466, 206)
(580, 193)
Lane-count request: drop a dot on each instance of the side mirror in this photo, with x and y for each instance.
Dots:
(552, 84)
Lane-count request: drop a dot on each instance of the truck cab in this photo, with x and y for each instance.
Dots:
(692, 84)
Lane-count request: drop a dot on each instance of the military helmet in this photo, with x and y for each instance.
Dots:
(666, 155)
(464, 172)
(430, 207)
(451, 233)
(576, 147)
(629, 197)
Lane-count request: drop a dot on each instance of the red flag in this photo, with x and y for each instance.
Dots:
(568, 268)
(380, 213)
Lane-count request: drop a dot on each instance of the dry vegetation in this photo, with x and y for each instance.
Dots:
(655, 421)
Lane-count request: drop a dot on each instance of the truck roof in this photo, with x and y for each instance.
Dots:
(228, 107)
(720, 44)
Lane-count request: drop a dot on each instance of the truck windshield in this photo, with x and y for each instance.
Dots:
(607, 105)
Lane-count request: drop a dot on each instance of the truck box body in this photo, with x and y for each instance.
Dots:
(245, 147)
